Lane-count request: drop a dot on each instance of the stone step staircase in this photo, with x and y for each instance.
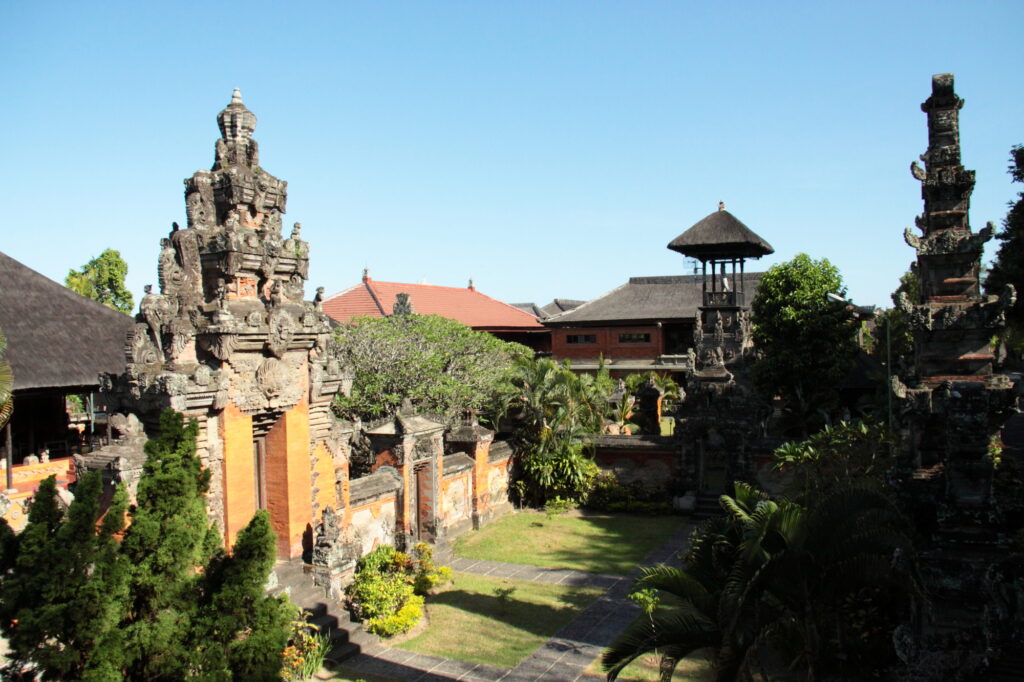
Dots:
(1009, 667)
(707, 507)
(295, 579)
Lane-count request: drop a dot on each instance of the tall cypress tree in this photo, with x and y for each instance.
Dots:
(232, 594)
(169, 537)
(23, 616)
(163, 603)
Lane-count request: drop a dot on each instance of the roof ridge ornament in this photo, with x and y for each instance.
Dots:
(721, 205)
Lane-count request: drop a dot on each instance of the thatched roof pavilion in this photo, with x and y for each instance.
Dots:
(58, 344)
(56, 338)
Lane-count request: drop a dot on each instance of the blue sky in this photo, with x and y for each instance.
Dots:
(542, 148)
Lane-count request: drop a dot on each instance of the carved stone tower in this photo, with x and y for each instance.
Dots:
(722, 332)
(719, 422)
(954, 402)
(230, 342)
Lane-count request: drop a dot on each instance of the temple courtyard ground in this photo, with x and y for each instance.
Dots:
(534, 597)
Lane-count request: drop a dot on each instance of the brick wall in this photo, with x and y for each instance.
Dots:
(606, 342)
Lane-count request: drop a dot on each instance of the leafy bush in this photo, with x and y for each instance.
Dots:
(387, 593)
(565, 472)
(609, 495)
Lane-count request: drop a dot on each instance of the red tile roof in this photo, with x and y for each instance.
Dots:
(468, 305)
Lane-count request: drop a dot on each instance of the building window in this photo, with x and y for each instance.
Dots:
(634, 338)
(581, 338)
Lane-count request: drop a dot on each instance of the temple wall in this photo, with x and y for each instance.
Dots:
(374, 523)
(289, 480)
(456, 500)
(239, 471)
(324, 488)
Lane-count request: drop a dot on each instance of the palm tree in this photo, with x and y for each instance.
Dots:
(773, 575)
(556, 410)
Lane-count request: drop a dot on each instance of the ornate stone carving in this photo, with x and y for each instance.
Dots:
(282, 329)
(273, 377)
(221, 346)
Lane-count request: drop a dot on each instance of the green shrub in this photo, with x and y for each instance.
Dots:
(609, 495)
(401, 621)
(387, 593)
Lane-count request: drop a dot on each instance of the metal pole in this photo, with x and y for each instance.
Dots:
(10, 458)
(888, 372)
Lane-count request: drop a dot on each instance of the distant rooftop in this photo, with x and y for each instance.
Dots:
(651, 299)
(467, 305)
(557, 306)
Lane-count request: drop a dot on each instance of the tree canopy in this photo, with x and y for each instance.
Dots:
(806, 343)
(102, 279)
(1008, 267)
(441, 365)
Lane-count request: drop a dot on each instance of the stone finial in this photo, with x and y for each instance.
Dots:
(235, 121)
(721, 205)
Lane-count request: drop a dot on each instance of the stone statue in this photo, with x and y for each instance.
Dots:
(296, 230)
(403, 306)
(318, 300)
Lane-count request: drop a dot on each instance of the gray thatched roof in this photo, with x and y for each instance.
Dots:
(557, 306)
(720, 235)
(648, 299)
(56, 338)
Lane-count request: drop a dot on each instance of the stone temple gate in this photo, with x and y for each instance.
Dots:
(230, 341)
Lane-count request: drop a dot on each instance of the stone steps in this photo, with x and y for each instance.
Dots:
(707, 507)
(330, 617)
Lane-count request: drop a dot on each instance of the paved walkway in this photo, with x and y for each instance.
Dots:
(561, 659)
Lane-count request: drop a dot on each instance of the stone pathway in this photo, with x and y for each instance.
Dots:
(561, 659)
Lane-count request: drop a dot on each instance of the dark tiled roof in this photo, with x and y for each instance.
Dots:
(56, 338)
(648, 299)
(720, 235)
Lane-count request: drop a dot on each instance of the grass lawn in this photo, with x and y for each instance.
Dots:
(599, 543)
(694, 668)
(469, 621)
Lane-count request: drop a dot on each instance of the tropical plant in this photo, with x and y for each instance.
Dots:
(441, 365)
(780, 576)
(307, 648)
(102, 279)
(554, 410)
(858, 452)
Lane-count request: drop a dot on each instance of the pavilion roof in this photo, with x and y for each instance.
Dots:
(720, 235)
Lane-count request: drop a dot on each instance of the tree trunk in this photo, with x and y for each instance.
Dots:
(666, 668)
